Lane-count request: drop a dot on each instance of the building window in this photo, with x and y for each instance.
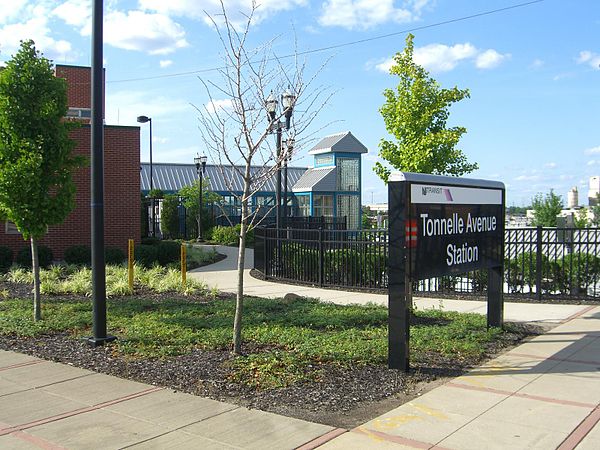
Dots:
(347, 174)
(303, 205)
(10, 228)
(79, 113)
(324, 160)
(264, 200)
(323, 205)
(347, 205)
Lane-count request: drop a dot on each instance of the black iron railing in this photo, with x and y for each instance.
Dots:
(539, 262)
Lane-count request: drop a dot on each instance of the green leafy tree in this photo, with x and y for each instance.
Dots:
(191, 198)
(546, 209)
(595, 221)
(169, 217)
(581, 218)
(415, 113)
(36, 163)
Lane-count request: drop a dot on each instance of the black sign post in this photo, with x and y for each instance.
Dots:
(440, 226)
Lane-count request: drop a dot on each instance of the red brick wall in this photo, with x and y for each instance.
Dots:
(79, 85)
(121, 195)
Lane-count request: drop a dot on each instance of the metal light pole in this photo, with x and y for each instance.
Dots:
(144, 119)
(97, 183)
(288, 157)
(200, 162)
(277, 126)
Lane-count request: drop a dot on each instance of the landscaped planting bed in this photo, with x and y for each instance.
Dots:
(303, 358)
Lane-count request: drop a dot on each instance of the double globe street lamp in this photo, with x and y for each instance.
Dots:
(200, 162)
(277, 126)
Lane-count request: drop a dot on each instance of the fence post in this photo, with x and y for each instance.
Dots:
(321, 257)
(538, 264)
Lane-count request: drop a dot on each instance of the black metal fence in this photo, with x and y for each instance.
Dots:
(539, 262)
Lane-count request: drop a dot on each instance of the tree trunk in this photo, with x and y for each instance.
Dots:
(239, 299)
(35, 267)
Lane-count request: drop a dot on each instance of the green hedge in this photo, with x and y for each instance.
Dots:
(146, 255)
(6, 258)
(45, 256)
(576, 271)
(114, 256)
(80, 255)
(168, 252)
(229, 235)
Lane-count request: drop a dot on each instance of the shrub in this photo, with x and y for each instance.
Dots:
(522, 271)
(168, 252)
(169, 220)
(577, 271)
(114, 255)
(146, 255)
(45, 256)
(80, 255)
(6, 258)
(225, 235)
(150, 240)
(229, 235)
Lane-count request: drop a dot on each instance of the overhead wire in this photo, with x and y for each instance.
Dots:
(343, 44)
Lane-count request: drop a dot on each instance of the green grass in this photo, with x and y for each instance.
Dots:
(291, 339)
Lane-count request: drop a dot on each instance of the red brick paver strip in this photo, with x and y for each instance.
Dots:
(581, 431)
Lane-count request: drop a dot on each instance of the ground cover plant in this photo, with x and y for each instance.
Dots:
(301, 357)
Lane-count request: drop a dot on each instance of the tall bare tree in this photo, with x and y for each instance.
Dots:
(238, 132)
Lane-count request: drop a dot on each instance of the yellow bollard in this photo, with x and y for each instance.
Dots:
(183, 264)
(130, 263)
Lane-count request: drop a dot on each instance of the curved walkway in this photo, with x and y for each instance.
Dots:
(223, 276)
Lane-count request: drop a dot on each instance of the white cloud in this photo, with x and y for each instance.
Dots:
(155, 34)
(10, 10)
(219, 105)
(236, 9)
(364, 14)
(550, 165)
(77, 13)
(490, 59)
(443, 58)
(34, 25)
(165, 63)
(592, 162)
(590, 58)
(592, 151)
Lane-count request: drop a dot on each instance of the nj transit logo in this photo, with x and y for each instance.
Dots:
(425, 190)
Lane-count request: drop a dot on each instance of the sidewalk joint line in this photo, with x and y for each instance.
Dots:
(578, 314)
(23, 364)
(75, 412)
(556, 358)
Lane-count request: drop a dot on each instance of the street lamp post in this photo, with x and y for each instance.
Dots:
(144, 119)
(288, 157)
(277, 126)
(200, 162)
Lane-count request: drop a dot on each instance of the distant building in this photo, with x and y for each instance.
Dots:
(594, 190)
(331, 188)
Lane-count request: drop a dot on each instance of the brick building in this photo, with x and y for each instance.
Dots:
(121, 179)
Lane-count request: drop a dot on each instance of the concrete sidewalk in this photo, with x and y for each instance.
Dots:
(223, 276)
(544, 394)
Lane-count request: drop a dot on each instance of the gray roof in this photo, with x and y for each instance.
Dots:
(341, 142)
(317, 180)
(170, 177)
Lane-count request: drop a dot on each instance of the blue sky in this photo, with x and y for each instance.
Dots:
(533, 72)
